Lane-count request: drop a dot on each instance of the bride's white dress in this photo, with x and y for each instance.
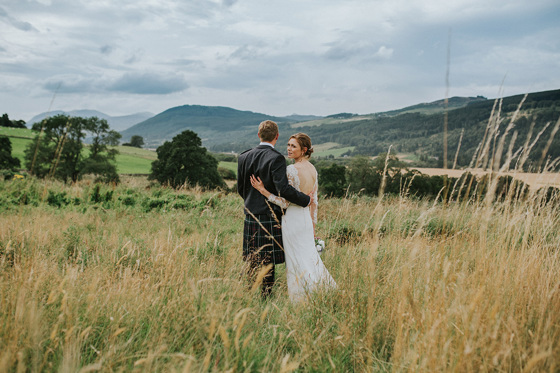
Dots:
(305, 269)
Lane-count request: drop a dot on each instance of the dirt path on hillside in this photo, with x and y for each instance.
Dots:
(533, 180)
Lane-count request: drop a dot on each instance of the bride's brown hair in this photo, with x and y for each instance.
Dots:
(304, 141)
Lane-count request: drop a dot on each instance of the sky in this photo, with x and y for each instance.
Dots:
(315, 57)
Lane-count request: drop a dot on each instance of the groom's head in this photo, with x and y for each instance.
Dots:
(268, 131)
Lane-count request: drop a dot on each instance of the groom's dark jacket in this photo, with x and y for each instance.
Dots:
(267, 163)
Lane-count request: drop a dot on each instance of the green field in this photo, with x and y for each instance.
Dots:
(335, 152)
(229, 165)
(17, 132)
(130, 160)
(18, 147)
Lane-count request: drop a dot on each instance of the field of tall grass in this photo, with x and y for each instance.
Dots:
(138, 277)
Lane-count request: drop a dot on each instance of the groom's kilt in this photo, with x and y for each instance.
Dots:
(257, 242)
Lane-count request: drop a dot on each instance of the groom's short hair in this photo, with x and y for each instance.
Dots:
(268, 130)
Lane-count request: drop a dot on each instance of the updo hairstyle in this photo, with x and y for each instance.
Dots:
(304, 141)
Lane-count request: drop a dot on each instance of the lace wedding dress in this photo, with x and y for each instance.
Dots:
(304, 267)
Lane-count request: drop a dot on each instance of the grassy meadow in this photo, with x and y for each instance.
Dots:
(137, 277)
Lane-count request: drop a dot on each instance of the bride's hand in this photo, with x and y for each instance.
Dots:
(257, 183)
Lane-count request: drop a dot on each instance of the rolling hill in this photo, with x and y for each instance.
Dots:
(416, 130)
(422, 134)
(214, 124)
(227, 129)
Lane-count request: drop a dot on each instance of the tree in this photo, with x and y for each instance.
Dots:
(57, 149)
(7, 162)
(6, 122)
(137, 141)
(185, 161)
(392, 166)
(362, 176)
(100, 160)
(332, 180)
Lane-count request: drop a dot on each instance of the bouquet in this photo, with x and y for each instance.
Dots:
(319, 245)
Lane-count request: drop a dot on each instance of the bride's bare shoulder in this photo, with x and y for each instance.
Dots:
(305, 167)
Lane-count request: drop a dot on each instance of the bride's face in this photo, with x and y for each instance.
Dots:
(294, 149)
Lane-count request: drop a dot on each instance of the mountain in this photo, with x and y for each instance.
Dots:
(117, 123)
(213, 124)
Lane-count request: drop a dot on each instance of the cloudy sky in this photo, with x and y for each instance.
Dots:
(276, 57)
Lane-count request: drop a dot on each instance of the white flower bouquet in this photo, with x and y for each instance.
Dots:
(319, 245)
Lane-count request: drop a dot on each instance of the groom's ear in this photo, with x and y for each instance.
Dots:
(277, 135)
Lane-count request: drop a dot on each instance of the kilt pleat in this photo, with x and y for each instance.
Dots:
(257, 241)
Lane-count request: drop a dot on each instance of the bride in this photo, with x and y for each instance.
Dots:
(305, 269)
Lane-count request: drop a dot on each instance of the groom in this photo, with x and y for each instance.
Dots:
(262, 233)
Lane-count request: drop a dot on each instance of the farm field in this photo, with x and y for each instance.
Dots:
(131, 160)
(319, 122)
(138, 277)
(535, 180)
(17, 132)
(229, 165)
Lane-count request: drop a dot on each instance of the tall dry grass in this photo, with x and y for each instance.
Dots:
(423, 286)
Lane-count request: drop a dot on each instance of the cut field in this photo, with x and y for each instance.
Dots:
(330, 148)
(320, 122)
(534, 180)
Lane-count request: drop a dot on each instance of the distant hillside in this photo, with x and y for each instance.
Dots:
(117, 123)
(302, 118)
(436, 106)
(424, 108)
(421, 133)
(214, 125)
(416, 130)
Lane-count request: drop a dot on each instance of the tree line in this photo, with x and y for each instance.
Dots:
(387, 175)
(56, 151)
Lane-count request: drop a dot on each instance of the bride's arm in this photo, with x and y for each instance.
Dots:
(257, 183)
(314, 204)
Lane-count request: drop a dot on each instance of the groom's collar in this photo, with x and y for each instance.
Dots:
(266, 143)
